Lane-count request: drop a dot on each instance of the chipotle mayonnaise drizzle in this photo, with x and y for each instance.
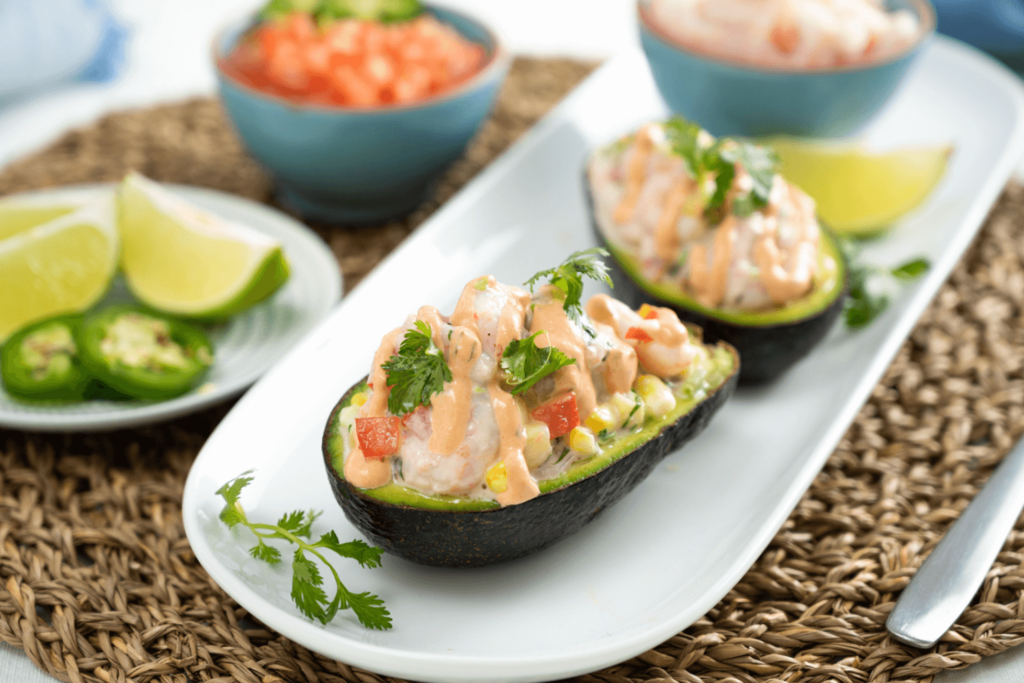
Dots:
(749, 260)
(473, 423)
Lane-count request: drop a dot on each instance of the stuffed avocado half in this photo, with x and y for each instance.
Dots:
(710, 229)
(491, 433)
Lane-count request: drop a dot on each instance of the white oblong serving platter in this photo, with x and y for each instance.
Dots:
(244, 346)
(662, 557)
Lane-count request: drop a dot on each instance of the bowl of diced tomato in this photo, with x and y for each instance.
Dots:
(356, 107)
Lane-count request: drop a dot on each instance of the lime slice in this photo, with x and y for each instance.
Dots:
(18, 214)
(61, 266)
(860, 193)
(183, 261)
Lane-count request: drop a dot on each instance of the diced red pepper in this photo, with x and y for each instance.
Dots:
(378, 436)
(638, 334)
(648, 312)
(560, 415)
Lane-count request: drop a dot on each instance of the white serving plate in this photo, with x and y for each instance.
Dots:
(245, 346)
(667, 553)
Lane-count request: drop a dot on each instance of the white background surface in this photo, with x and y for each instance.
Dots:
(168, 60)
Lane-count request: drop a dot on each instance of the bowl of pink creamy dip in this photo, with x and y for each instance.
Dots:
(820, 68)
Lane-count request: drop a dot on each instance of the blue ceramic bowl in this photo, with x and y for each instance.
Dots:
(735, 99)
(361, 165)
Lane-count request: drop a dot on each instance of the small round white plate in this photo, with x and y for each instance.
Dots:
(245, 346)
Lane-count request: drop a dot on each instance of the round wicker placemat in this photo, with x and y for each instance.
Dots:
(98, 583)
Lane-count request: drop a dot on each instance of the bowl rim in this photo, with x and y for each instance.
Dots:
(924, 9)
(499, 61)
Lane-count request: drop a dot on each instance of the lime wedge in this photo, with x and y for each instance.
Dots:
(183, 261)
(860, 193)
(64, 265)
(21, 213)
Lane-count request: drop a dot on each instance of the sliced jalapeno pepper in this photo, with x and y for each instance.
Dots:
(144, 354)
(41, 361)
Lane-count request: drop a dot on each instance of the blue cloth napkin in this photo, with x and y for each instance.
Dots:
(996, 26)
(48, 42)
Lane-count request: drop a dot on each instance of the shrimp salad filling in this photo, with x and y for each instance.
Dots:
(710, 217)
(789, 34)
(517, 388)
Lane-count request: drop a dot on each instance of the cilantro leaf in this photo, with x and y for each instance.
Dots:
(299, 522)
(366, 555)
(864, 305)
(525, 363)
(416, 372)
(306, 591)
(307, 583)
(370, 610)
(911, 270)
(268, 554)
(232, 514)
(684, 136)
(719, 160)
(568, 277)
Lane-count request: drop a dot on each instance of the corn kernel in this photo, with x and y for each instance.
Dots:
(657, 397)
(583, 441)
(538, 444)
(629, 408)
(497, 478)
(604, 417)
(647, 312)
(359, 399)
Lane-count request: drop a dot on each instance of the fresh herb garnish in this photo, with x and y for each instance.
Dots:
(326, 11)
(307, 591)
(568, 277)
(416, 372)
(866, 302)
(525, 363)
(705, 158)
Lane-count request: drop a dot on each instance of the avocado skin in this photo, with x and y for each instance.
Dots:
(475, 539)
(766, 350)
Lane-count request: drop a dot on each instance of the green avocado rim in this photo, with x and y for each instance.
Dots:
(828, 285)
(718, 367)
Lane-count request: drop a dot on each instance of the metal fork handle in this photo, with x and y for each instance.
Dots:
(943, 587)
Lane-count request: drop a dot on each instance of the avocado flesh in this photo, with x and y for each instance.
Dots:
(456, 532)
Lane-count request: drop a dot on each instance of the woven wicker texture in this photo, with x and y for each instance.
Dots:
(98, 583)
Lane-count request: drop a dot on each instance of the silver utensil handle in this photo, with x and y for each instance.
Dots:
(944, 585)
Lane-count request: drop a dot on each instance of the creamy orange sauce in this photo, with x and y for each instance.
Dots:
(560, 333)
(620, 365)
(636, 175)
(667, 354)
(790, 281)
(511, 434)
(709, 281)
(452, 406)
(367, 473)
(666, 235)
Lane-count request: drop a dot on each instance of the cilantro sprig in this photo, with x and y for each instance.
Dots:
(525, 363)
(416, 372)
(867, 299)
(326, 11)
(706, 158)
(568, 277)
(307, 583)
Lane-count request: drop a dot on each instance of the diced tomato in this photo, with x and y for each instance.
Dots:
(353, 62)
(648, 312)
(560, 415)
(378, 436)
(638, 334)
